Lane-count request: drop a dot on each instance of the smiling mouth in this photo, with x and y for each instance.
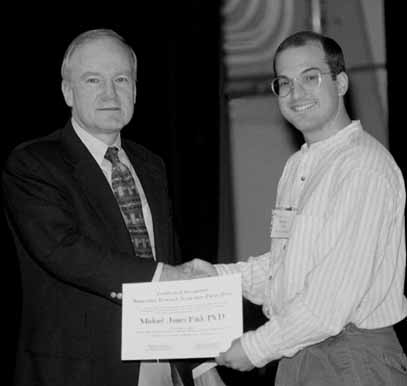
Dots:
(303, 107)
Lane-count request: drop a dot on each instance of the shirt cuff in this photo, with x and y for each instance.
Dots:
(226, 269)
(252, 349)
(157, 273)
(202, 368)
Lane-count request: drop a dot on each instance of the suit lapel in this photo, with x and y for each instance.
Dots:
(96, 189)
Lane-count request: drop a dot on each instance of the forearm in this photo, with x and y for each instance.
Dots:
(255, 273)
(318, 290)
(284, 335)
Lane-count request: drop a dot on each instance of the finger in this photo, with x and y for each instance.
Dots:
(221, 360)
(187, 267)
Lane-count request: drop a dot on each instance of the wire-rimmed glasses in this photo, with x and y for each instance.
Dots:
(310, 79)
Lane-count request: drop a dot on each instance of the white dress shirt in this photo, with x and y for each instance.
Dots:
(345, 259)
(150, 373)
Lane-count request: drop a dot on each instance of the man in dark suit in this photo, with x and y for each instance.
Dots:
(76, 240)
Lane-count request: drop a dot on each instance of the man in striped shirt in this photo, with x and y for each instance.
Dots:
(332, 283)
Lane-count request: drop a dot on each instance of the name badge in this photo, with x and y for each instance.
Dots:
(281, 223)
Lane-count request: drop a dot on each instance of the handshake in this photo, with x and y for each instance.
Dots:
(193, 269)
(190, 270)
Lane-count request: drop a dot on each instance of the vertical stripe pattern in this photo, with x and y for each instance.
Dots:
(345, 259)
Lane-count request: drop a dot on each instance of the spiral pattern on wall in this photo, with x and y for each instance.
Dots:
(252, 30)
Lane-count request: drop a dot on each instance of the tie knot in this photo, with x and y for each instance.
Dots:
(111, 154)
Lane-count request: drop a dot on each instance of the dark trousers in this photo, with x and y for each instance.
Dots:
(354, 357)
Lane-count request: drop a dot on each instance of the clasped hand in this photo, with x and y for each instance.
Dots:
(193, 269)
(234, 357)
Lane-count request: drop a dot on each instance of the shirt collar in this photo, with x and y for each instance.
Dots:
(334, 141)
(95, 146)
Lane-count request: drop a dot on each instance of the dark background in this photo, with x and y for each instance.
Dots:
(179, 113)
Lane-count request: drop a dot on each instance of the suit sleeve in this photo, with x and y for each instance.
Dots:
(48, 230)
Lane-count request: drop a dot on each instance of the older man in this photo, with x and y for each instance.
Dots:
(89, 211)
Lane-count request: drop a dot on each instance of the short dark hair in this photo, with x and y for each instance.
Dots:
(333, 51)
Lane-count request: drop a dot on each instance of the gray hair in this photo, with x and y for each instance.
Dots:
(94, 35)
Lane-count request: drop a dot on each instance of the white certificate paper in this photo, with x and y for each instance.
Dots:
(196, 318)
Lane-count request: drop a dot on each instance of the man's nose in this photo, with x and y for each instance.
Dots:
(110, 89)
(297, 89)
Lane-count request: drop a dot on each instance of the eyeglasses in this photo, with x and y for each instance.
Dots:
(309, 79)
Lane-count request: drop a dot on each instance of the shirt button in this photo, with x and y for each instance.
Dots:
(303, 178)
(113, 295)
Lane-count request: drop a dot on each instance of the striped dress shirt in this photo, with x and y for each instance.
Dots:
(344, 261)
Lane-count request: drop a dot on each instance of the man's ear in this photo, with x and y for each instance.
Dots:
(342, 82)
(135, 92)
(67, 91)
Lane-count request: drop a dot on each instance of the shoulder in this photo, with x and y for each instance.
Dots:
(140, 155)
(367, 152)
(137, 150)
(366, 155)
(36, 149)
(39, 143)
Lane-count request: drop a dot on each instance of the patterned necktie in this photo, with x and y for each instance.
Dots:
(128, 198)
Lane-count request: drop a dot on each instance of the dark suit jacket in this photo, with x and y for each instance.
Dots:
(74, 250)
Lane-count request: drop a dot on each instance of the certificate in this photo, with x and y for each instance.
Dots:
(196, 318)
